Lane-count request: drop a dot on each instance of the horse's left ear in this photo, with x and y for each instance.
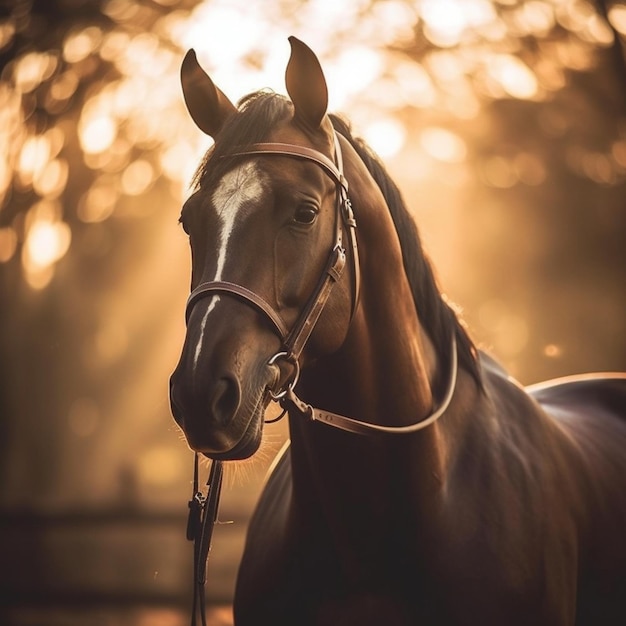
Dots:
(306, 85)
(206, 103)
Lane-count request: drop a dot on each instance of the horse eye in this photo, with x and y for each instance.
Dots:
(305, 214)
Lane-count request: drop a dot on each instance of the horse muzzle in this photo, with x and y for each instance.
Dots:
(218, 395)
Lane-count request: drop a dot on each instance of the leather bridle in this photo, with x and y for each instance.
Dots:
(294, 339)
(203, 509)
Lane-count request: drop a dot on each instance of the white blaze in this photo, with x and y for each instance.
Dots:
(233, 200)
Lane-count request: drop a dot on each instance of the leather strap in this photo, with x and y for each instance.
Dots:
(301, 332)
(302, 152)
(365, 428)
(222, 286)
(200, 524)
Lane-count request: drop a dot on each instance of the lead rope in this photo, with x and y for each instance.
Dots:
(200, 523)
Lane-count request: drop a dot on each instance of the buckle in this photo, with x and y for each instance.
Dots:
(290, 384)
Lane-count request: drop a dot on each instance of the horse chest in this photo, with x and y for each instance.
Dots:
(288, 581)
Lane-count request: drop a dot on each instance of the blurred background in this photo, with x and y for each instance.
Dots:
(504, 123)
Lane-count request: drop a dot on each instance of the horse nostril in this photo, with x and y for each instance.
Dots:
(225, 399)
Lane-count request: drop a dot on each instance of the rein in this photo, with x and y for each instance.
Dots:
(200, 523)
(203, 509)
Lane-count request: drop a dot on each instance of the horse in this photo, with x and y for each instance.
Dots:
(430, 487)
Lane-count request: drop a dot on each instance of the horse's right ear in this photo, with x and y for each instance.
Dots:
(207, 105)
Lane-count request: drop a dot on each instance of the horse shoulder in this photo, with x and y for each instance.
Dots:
(540, 496)
(508, 521)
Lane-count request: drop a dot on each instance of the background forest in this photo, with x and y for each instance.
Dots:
(504, 124)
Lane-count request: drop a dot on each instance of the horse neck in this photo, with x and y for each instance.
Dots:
(382, 374)
(387, 363)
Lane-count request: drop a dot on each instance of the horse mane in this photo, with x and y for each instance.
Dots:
(257, 114)
(437, 316)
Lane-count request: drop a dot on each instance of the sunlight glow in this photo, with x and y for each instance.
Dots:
(98, 153)
(446, 21)
(514, 76)
(98, 202)
(212, 24)
(473, 53)
(120, 10)
(553, 351)
(137, 177)
(114, 44)
(47, 240)
(64, 85)
(13, 132)
(597, 31)
(33, 157)
(7, 32)
(80, 45)
(534, 18)
(391, 22)
(354, 69)
(32, 69)
(97, 133)
(385, 136)
(50, 182)
(617, 17)
(8, 244)
(415, 84)
(443, 145)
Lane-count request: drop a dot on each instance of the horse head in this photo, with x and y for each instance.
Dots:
(263, 225)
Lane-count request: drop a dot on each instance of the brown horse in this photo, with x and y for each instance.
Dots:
(430, 488)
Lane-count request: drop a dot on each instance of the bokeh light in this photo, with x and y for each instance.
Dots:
(501, 120)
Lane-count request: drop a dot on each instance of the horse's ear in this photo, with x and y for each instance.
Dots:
(207, 105)
(306, 85)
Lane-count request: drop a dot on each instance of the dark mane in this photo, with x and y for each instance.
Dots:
(258, 113)
(439, 319)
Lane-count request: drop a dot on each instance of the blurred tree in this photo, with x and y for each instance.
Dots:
(519, 104)
(505, 120)
(74, 155)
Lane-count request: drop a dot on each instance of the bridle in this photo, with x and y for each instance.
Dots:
(293, 340)
(203, 509)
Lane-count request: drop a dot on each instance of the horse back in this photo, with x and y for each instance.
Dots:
(591, 411)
